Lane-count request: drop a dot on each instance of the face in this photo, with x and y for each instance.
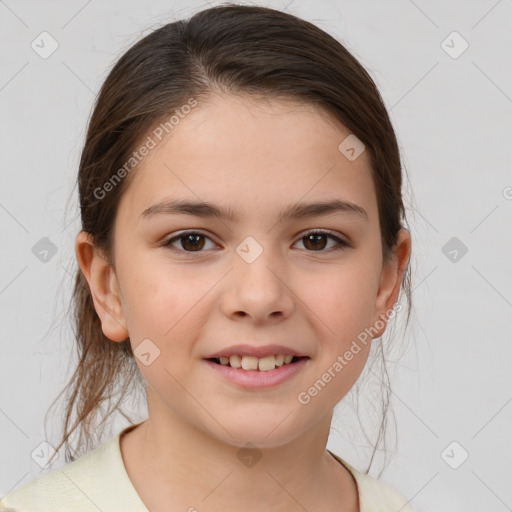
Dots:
(187, 286)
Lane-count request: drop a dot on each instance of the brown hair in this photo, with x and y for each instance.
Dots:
(235, 49)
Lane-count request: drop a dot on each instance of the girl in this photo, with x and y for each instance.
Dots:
(242, 243)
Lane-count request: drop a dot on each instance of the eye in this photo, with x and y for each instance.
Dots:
(194, 241)
(313, 239)
(191, 241)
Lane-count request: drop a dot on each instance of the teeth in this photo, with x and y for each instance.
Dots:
(249, 363)
(254, 363)
(267, 363)
(235, 361)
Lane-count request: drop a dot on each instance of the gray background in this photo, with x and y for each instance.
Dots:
(452, 115)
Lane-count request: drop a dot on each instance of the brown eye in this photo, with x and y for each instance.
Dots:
(317, 241)
(314, 241)
(191, 241)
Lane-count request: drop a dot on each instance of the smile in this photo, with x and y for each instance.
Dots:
(250, 372)
(255, 363)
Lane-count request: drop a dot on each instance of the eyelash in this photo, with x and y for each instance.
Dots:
(340, 244)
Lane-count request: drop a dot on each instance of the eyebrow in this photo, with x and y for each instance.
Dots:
(293, 211)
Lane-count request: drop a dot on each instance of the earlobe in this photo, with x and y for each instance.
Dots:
(102, 280)
(390, 281)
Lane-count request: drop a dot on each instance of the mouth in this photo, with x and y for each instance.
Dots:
(253, 373)
(258, 364)
(261, 374)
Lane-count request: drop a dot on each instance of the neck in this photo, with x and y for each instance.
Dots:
(170, 460)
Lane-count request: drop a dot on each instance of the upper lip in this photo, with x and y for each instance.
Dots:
(255, 351)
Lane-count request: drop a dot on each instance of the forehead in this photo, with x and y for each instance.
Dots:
(257, 155)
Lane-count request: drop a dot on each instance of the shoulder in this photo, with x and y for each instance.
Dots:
(90, 483)
(374, 495)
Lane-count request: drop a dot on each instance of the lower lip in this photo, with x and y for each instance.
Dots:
(256, 379)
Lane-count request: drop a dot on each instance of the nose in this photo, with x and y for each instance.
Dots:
(258, 289)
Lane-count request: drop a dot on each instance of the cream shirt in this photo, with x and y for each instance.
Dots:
(98, 481)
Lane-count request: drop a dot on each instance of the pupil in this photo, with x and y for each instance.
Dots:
(315, 238)
(194, 244)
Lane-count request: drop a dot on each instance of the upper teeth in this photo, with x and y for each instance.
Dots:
(255, 363)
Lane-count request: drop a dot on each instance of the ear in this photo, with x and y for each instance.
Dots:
(391, 281)
(104, 287)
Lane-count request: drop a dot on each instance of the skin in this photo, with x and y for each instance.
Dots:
(258, 157)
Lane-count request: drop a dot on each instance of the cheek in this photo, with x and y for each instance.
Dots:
(160, 297)
(342, 314)
(343, 301)
(167, 310)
